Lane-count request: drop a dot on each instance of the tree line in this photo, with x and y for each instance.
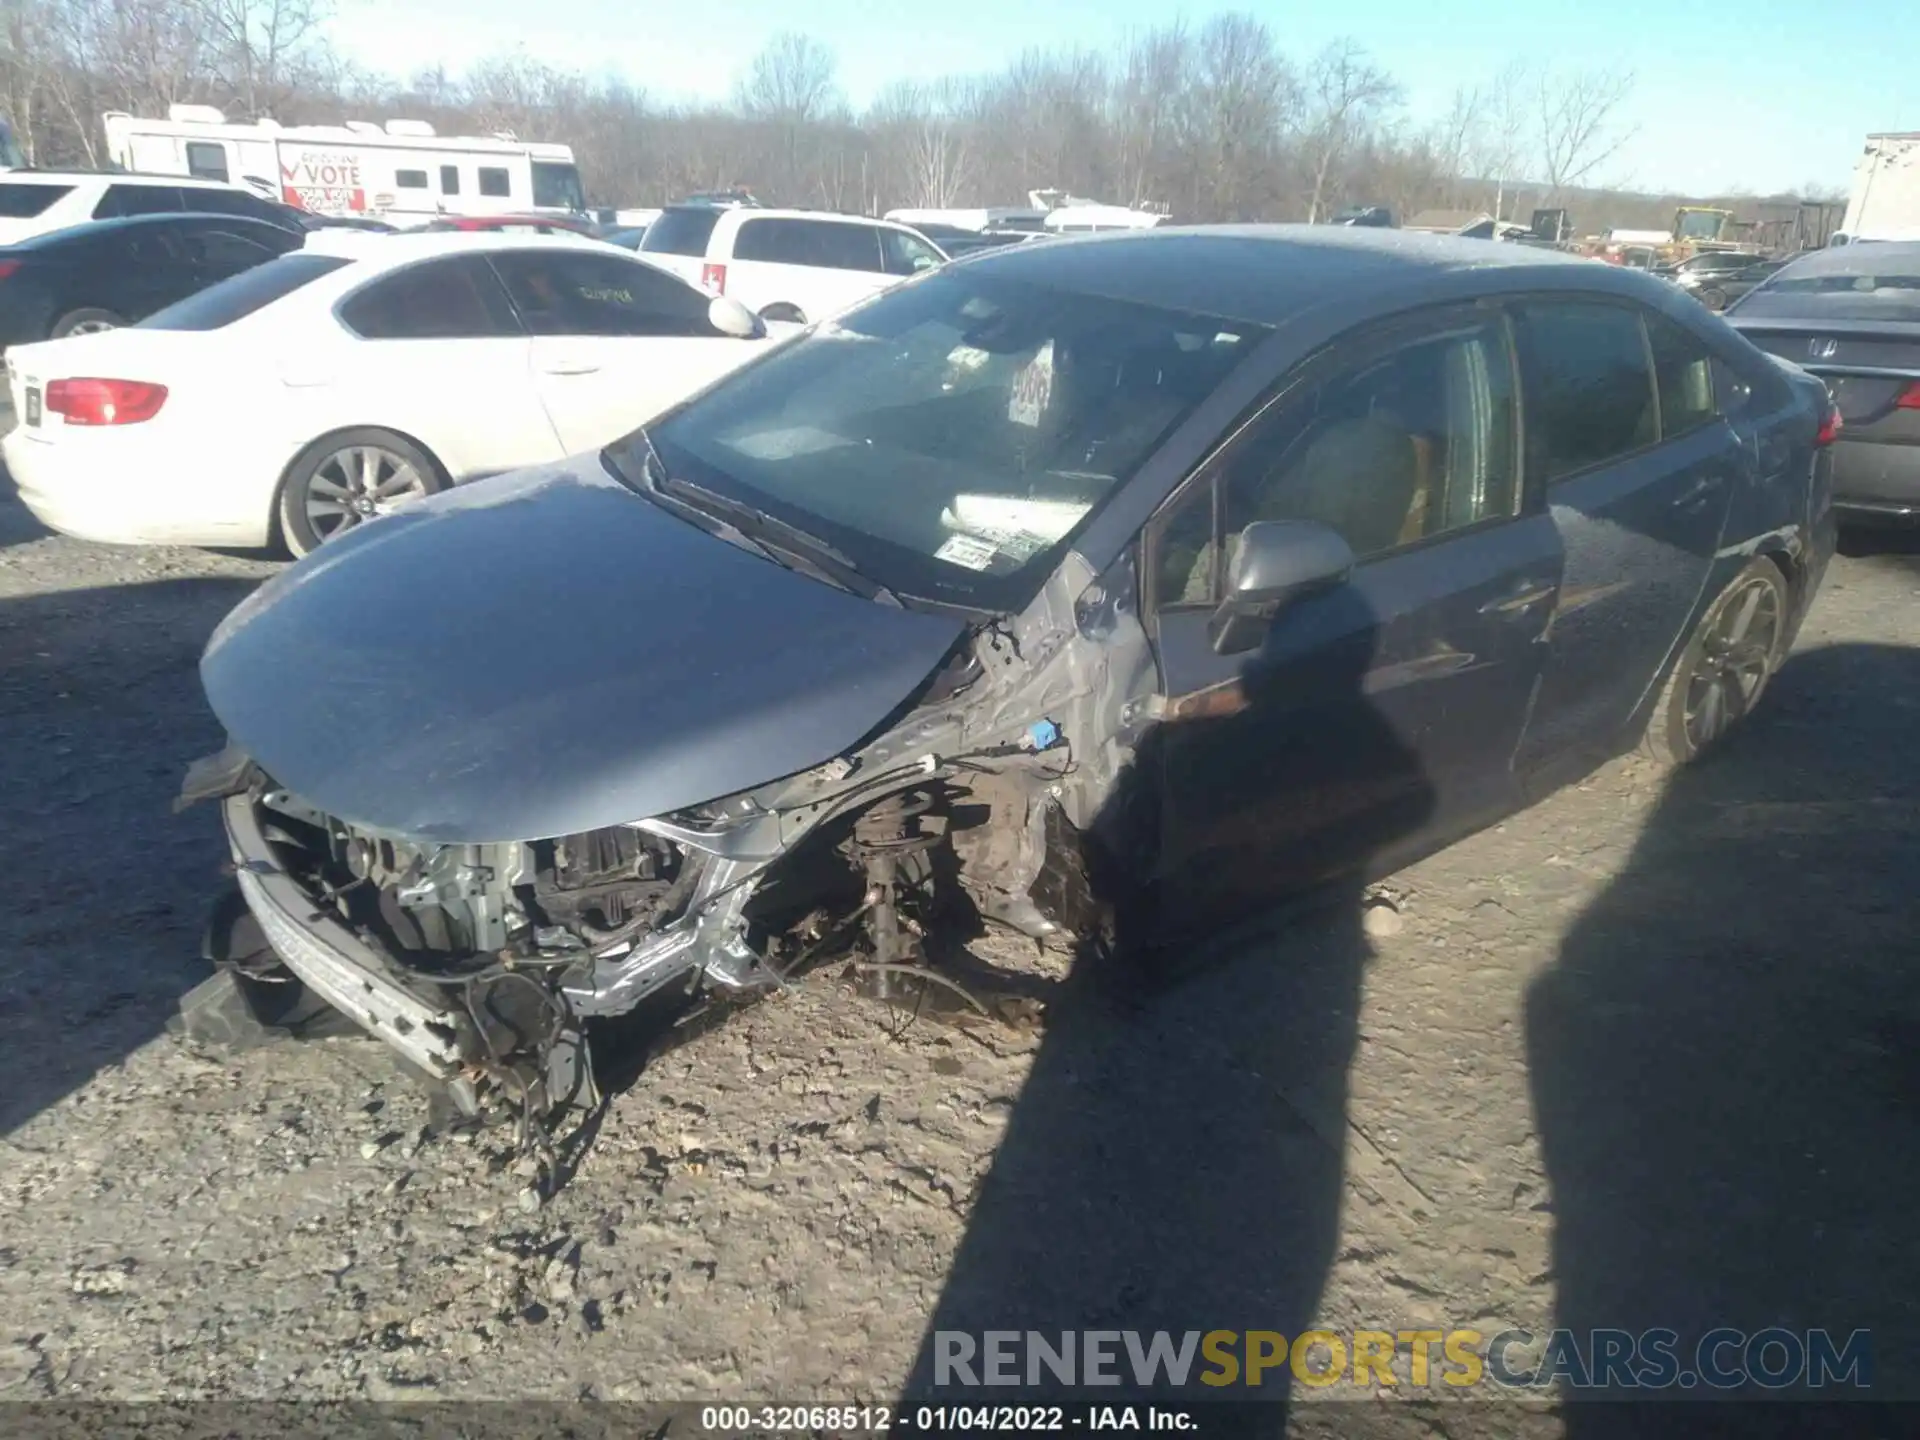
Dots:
(1215, 121)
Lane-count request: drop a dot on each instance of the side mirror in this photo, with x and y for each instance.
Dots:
(730, 317)
(1276, 563)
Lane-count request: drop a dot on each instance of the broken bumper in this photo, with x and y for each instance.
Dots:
(330, 959)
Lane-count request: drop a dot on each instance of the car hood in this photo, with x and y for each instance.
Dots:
(545, 653)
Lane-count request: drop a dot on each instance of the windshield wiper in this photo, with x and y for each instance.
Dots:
(753, 529)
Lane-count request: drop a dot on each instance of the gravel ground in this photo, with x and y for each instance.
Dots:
(1643, 1055)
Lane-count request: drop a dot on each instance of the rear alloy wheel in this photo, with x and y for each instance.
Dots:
(84, 322)
(1725, 668)
(1713, 297)
(346, 478)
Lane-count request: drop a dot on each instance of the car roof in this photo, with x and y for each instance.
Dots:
(1863, 257)
(93, 229)
(372, 253)
(831, 217)
(138, 177)
(1267, 274)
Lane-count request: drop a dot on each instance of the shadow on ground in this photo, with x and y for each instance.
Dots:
(101, 708)
(1725, 1057)
(1203, 1190)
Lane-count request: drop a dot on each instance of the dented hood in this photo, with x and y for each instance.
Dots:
(546, 653)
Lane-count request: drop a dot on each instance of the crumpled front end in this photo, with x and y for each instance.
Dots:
(479, 964)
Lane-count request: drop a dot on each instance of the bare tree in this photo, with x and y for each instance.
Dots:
(1504, 137)
(920, 134)
(1455, 138)
(1345, 92)
(1245, 101)
(791, 80)
(259, 44)
(1577, 130)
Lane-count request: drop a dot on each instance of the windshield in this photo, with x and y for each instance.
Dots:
(952, 435)
(1700, 225)
(1858, 292)
(557, 186)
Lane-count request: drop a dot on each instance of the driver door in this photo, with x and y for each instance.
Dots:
(1378, 719)
(615, 341)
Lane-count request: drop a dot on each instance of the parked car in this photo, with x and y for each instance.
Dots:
(956, 241)
(627, 237)
(511, 225)
(33, 202)
(1852, 317)
(106, 273)
(311, 221)
(350, 377)
(1717, 279)
(1118, 587)
(795, 265)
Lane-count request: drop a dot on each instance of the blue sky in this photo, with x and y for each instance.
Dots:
(1751, 94)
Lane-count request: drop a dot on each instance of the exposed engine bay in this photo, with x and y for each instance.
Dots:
(488, 966)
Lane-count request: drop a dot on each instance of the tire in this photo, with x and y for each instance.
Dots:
(1724, 669)
(350, 476)
(85, 321)
(1713, 298)
(781, 310)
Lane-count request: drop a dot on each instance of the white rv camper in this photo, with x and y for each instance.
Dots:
(400, 171)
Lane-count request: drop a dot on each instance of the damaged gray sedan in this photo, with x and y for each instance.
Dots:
(1115, 587)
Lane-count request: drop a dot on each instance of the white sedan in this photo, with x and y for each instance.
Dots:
(352, 376)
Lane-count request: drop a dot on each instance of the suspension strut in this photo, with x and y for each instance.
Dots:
(888, 845)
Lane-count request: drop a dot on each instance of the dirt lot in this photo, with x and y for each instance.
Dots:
(1645, 1055)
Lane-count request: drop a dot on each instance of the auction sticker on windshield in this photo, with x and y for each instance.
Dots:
(1032, 388)
(967, 550)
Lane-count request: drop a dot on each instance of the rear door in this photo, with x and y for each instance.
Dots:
(437, 355)
(615, 341)
(1381, 718)
(1639, 467)
(819, 267)
(218, 250)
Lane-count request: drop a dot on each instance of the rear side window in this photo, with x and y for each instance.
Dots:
(493, 181)
(822, 244)
(138, 200)
(562, 294)
(1683, 371)
(454, 299)
(681, 232)
(235, 299)
(233, 247)
(449, 179)
(23, 202)
(410, 179)
(206, 160)
(1588, 390)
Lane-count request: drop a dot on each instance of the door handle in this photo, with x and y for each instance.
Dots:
(1520, 600)
(568, 367)
(1698, 493)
